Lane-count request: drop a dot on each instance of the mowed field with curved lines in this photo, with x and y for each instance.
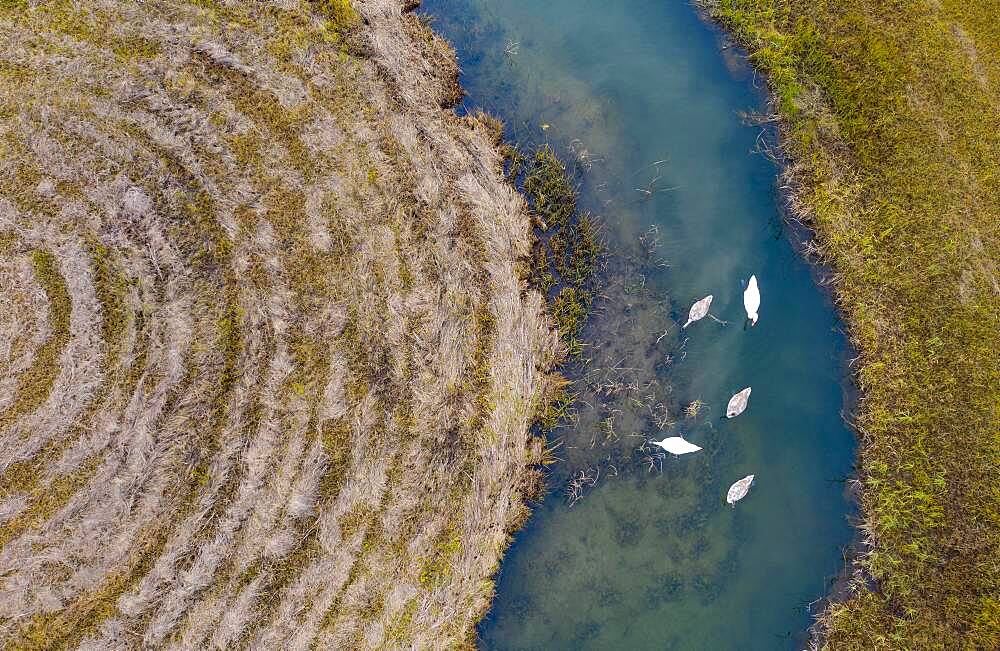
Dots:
(267, 362)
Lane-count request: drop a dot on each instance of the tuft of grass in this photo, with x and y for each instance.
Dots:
(397, 632)
(557, 405)
(890, 123)
(569, 309)
(342, 22)
(436, 569)
(341, 14)
(550, 193)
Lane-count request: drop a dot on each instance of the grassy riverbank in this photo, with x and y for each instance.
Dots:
(268, 357)
(890, 119)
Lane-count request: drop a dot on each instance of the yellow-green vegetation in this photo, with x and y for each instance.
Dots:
(891, 113)
(269, 365)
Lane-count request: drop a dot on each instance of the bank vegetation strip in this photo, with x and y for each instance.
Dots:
(890, 116)
(268, 356)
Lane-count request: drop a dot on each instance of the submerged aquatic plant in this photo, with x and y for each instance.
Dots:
(694, 408)
(665, 588)
(567, 250)
(577, 487)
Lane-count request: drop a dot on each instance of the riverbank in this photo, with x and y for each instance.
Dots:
(889, 122)
(270, 356)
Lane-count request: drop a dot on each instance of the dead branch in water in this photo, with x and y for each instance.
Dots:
(577, 487)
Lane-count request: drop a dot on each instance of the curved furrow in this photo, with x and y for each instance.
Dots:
(410, 473)
(256, 449)
(260, 501)
(24, 309)
(67, 367)
(269, 501)
(341, 527)
(144, 409)
(334, 454)
(124, 333)
(97, 511)
(240, 313)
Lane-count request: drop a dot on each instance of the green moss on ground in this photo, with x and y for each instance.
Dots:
(891, 112)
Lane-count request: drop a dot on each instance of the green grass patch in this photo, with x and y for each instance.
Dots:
(549, 189)
(87, 25)
(557, 405)
(891, 115)
(341, 16)
(436, 568)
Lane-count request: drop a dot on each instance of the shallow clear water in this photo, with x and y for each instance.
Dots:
(641, 99)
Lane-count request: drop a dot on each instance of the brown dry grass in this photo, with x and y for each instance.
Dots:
(268, 365)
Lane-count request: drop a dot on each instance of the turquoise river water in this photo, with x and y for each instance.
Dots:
(630, 549)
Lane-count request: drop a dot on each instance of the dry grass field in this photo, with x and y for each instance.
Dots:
(267, 359)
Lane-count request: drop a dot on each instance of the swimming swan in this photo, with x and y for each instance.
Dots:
(751, 299)
(739, 490)
(676, 445)
(738, 403)
(699, 310)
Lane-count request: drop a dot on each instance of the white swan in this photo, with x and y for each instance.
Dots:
(698, 310)
(738, 403)
(739, 490)
(676, 445)
(751, 299)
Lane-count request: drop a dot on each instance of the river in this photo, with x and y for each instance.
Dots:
(643, 100)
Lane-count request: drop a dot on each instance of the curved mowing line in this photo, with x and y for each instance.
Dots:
(24, 475)
(36, 383)
(66, 628)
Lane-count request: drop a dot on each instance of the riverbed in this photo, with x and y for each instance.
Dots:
(631, 549)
